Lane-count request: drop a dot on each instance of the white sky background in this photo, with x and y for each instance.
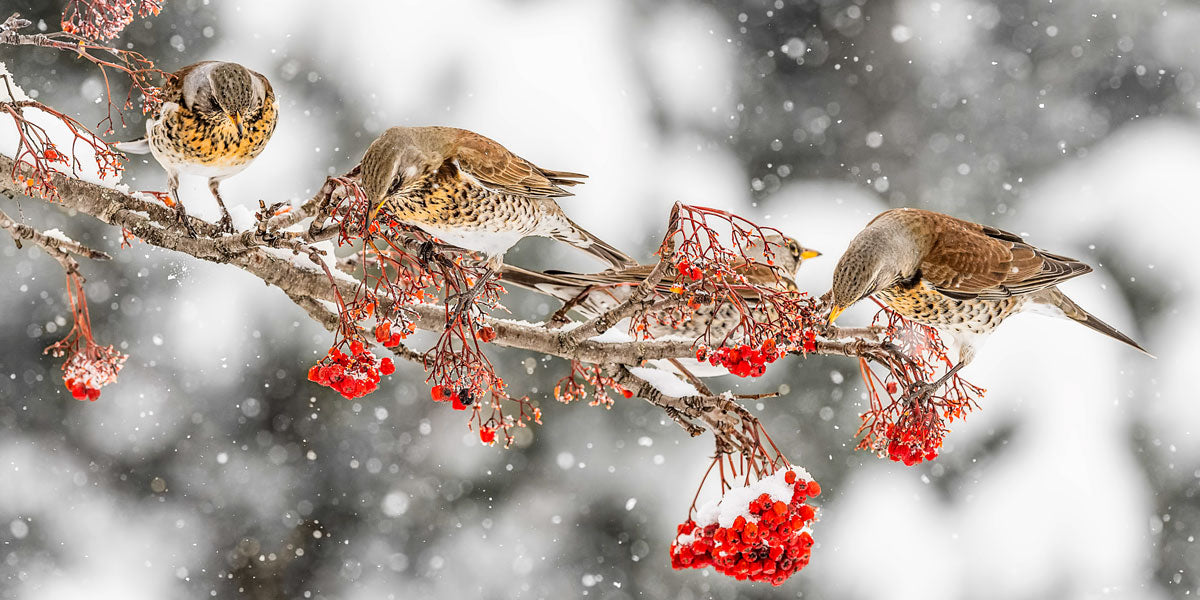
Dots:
(1062, 508)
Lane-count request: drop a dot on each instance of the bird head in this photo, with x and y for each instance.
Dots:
(236, 92)
(380, 167)
(876, 259)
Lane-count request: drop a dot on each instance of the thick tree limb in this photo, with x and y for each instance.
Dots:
(285, 260)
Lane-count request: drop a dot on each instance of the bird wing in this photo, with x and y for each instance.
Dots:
(968, 260)
(756, 274)
(498, 168)
(172, 90)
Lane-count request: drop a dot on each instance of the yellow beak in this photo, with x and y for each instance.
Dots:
(834, 312)
(237, 122)
(807, 254)
(375, 210)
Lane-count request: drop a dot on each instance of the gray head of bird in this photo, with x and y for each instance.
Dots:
(235, 92)
(395, 157)
(877, 258)
(780, 252)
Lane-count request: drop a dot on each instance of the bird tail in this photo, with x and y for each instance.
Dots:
(1056, 298)
(584, 240)
(540, 282)
(570, 288)
(138, 146)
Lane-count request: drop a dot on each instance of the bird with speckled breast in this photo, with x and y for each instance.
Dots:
(772, 265)
(215, 119)
(959, 277)
(469, 191)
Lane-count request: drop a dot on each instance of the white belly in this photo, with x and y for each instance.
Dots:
(490, 243)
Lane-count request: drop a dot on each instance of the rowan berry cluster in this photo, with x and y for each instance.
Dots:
(743, 360)
(352, 375)
(687, 269)
(458, 399)
(911, 444)
(91, 368)
(384, 334)
(765, 539)
(105, 19)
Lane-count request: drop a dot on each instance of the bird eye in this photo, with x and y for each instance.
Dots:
(794, 248)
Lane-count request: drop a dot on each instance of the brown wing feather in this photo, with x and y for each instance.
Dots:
(498, 168)
(757, 274)
(968, 260)
(172, 90)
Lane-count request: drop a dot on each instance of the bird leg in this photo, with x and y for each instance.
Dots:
(426, 253)
(560, 318)
(467, 299)
(226, 222)
(180, 212)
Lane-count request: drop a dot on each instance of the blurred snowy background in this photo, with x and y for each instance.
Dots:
(213, 469)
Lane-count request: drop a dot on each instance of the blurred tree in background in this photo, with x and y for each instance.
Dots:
(257, 484)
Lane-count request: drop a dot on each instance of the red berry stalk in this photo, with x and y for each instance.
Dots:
(89, 366)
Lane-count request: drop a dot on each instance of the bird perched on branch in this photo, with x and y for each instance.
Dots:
(593, 294)
(959, 277)
(215, 119)
(470, 191)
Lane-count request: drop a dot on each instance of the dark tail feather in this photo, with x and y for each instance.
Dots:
(595, 246)
(1083, 317)
(537, 281)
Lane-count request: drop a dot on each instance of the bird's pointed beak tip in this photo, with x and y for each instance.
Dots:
(237, 122)
(807, 254)
(834, 313)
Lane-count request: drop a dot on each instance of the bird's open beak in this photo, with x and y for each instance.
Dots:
(834, 312)
(237, 122)
(807, 254)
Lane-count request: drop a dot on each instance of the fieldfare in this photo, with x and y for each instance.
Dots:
(215, 119)
(596, 293)
(958, 277)
(470, 191)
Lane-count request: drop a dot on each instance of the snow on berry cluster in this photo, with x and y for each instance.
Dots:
(105, 19)
(353, 375)
(743, 360)
(85, 372)
(761, 532)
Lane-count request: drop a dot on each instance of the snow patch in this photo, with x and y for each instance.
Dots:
(665, 382)
(736, 502)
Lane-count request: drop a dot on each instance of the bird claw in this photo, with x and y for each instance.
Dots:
(463, 304)
(427, 253)
(920, 392)
(183, 219)
(225, 225)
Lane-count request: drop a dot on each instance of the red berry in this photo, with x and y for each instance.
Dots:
(486, 334)
(456, 402)
(386, 366)
(438, 393)
(383, 332)
(487, 435)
